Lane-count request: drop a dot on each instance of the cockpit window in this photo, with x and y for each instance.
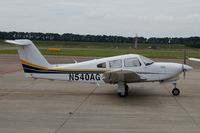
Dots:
(115, 64)
(132, 62)
(101, 65)
(146, 60)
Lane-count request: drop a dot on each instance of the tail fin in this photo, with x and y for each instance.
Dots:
(29, 53)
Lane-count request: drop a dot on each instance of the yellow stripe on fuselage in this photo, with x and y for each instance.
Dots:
(32, 65)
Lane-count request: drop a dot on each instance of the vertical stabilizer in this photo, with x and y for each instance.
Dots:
(29, 53)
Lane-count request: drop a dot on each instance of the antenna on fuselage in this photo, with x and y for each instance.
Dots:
(75, 61)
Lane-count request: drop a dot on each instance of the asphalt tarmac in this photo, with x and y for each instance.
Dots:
(42, 106)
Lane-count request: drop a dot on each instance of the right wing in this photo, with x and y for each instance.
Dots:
(126, 76)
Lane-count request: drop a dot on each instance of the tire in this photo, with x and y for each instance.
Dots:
(124, 94)
(126, 87)
(175, 91)
(121, 94)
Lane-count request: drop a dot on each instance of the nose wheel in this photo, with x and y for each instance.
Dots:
(175, 91)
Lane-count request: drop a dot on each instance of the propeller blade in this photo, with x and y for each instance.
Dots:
(183, 69)
(184, 60)
(185, 57)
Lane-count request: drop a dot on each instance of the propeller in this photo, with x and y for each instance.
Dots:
(185, 67)
(184, 60)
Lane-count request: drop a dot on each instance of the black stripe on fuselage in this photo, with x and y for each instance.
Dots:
(31, 67)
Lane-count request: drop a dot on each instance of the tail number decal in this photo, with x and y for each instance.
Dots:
(84, 76)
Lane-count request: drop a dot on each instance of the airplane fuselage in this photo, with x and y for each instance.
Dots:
(92, 71)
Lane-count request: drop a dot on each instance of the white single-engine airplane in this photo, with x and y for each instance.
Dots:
(130, 68)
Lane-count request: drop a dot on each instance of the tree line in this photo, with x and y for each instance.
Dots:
(189, 41)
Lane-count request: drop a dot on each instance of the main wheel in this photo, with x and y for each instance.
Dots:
(175, 91)
(126, 87)
(122, 94)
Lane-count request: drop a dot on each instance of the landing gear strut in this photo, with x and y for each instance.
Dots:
(175, 91)
(123, 89)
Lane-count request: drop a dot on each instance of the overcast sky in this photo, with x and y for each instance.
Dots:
(148, 18)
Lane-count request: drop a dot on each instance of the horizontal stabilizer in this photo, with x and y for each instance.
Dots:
(21, 42)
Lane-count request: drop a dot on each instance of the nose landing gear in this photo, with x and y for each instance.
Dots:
(175, 91)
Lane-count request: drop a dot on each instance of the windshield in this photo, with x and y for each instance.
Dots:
(146, 60)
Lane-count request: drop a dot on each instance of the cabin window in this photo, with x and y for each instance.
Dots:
(102, 65)
(132, 62)
(115, 64)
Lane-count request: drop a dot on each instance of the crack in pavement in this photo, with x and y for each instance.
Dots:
(9, 72)
(76, 109)
(183, 108)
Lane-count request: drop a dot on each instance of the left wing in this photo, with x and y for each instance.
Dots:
(194, 59)
(126, 76)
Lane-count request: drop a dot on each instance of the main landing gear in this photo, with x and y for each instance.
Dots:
(175, 91)
(122, 89)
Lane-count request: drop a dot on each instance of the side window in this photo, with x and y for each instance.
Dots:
(115, 64)
(132, 62)
(102, 65)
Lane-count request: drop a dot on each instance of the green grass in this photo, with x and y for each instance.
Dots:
(97, 49)
(8, 51)
(112, 52)
(93, 45)
(101, 45)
